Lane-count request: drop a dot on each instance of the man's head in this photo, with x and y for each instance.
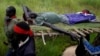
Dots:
(31, 15)
(86, 11)
(10, 11)
(22, 31)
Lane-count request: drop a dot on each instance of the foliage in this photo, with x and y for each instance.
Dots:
(53, 47)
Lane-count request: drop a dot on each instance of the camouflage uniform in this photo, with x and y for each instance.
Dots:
(9, 29)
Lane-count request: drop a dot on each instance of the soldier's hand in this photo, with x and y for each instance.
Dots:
(30, 22)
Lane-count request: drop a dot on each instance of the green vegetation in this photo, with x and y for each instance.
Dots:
(56, 45)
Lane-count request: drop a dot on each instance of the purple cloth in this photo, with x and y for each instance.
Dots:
(75, 18)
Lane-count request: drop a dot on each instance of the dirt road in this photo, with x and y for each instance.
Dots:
(70, 51)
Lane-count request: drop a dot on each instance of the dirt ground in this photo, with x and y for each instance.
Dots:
(70, 51)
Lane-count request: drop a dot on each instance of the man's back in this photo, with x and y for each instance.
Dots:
(49, 17)
(28, 49)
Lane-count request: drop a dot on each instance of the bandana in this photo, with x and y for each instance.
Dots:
(19, 30)
(13, 17)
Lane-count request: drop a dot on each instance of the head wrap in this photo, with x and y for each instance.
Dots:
(19, 30)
